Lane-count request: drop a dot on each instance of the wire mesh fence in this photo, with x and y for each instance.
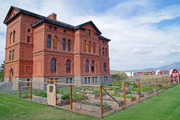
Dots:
(91, 99)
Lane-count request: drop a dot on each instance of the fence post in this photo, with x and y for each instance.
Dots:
(173, 83)
(18, 89)
(30, 90)
(149, 89)
(124, 95)
(166, 83)
(56, 92)
(162, 83)
(139, 90)
(156, 87)
(47, 92)
(101, 104)
(71, 96)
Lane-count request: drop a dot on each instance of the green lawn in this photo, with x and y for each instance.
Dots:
(166, 105)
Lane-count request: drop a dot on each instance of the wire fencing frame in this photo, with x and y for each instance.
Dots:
(164, 81)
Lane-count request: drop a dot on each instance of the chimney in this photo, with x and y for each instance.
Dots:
(52, 16)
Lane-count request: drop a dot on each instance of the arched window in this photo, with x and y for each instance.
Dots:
(86, 65)
(104, 67)
(68, 66)
(93, 47)
(14, 35)
(48, 41)
(53, 64)
(63, 44)
(89, 46)
(84, 45)
(11, 38)
(69, 45)
(92, 66)
(55, 42)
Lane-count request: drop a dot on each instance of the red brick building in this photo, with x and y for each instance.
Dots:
(39, 48)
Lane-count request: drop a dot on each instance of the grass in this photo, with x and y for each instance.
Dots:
(164, 106)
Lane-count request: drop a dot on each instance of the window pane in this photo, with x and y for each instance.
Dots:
(69, 45)
(14, 34)
(55, 42)
(84, 45)
(63, 44)
(48, 41)
(70, 80)
(68, 66)
(85, 80)
(53, 64)
(93, 47)
(86, 65)
(88, 80)
(104, 67)
(66, 80)
(13, 55)
(89, 46)
(103, 51)
(9, 55)
(92, 66)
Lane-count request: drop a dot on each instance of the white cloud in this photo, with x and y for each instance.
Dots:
(136, 42)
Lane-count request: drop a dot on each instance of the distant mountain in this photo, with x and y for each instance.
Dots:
(166, 67)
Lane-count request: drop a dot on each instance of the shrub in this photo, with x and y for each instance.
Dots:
(41, 93)
(109, 84)
(96, 92)
(128, 92)
(66, 96)
(81, 95)
(159, 85)
(134, 85)
(114, 88)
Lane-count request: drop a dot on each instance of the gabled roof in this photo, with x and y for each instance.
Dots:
(89, 22)
(51, 21)
(104, 38)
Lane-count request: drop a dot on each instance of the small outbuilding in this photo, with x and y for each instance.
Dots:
(175, 75)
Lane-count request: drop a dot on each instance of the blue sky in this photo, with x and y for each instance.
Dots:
(143, 33)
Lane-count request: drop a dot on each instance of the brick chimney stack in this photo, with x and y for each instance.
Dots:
(52, 16)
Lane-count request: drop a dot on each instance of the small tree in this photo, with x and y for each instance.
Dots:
(2, 72)
(118, 77)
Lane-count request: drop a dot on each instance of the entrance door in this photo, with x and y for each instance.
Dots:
(11, 75)
(51, 94)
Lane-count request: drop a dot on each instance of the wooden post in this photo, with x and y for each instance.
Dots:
(124, 95)
(139, 90)
(156, 87)
(149, 89)
(101, 104)
(162, 83)
(18, 89)
(71, 96)
(166, 83)
(47, 92)
(30, 90)
(173, 83)
(56, 92)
